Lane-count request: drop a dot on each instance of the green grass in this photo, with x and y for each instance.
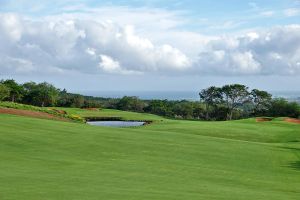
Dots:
(111, 113)
(168, 160)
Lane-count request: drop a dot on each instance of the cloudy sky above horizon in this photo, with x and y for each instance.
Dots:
(150, 45)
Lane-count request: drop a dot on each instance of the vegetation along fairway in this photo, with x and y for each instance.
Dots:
(167, 160)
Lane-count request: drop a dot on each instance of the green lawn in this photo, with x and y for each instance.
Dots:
(111, 113)
(167, 160)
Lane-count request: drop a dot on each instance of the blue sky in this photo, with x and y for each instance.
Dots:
(152, 44)
(198, 14)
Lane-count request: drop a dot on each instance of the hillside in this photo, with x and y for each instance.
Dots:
(169, 159)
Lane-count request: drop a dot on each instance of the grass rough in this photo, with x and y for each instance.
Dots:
(167, 160)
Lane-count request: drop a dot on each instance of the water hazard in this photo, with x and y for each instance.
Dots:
(117, 123)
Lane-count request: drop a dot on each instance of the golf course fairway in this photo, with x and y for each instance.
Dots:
(44, 159)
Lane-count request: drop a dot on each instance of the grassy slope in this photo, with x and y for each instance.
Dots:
(51, 111)
(112, 113)
(43, 159)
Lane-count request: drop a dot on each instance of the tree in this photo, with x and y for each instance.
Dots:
(4, 92)
(15, 90)
(42, 94)
(183, 109)
(77, 101)
(131, 104)
(280, 107)
(234, 95)
(210, 97)
(261, 100)
(46, 94)
(198, 111)
(29, 88)
(160, 107)
(91, 104)
(64, 99)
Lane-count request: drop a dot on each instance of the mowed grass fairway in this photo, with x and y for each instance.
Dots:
(167, 160)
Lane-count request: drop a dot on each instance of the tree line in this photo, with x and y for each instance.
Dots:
(216, 103)
(42, 94)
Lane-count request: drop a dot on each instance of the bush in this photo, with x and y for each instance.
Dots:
(4, 91)
(282, 108)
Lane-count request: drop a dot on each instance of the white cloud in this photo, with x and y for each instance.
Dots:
(273, 51)
(291, 12)
(58, 44)
(144, 18)
(227, 25)
(73, 44)
(109, 65)
(268, 13)
(253, 36)
(228, 63)
(10, 27)
(91, 51)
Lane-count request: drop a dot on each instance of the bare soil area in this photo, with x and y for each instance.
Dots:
(263, 119)
(292, 120)
(29, 113)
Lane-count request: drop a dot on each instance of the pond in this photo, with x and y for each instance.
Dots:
(117, 123)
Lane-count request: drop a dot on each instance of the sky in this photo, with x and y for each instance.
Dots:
(151, 45)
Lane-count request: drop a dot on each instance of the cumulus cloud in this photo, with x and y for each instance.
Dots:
(220, 62)
(109, 65)
(273, 51)
(59, 44)
(83, 45)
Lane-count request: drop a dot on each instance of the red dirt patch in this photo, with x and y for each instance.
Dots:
(58, 111)
(92, 109)
(29, 113)
(263, 119)
(292, 120)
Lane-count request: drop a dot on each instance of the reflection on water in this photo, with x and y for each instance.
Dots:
(117, 123)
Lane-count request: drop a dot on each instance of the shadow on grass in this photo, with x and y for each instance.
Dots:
(294, 149)
(295, 165)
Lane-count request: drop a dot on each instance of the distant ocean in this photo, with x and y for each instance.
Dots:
(172, 95)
